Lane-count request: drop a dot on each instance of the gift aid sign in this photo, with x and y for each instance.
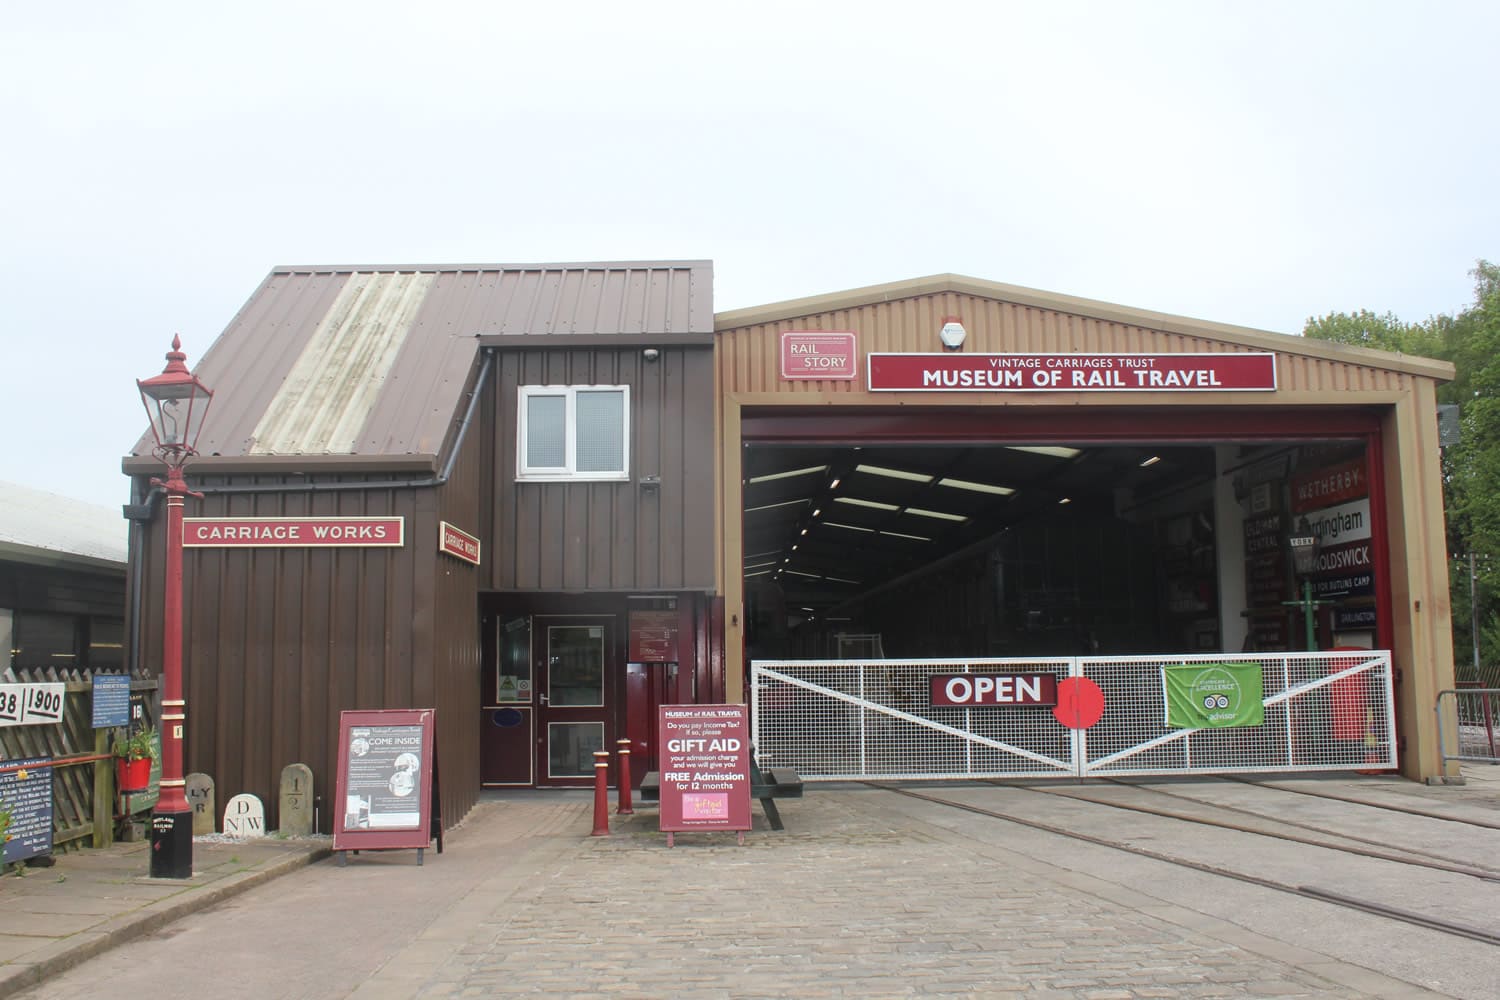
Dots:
(975, 690)
(705, 767)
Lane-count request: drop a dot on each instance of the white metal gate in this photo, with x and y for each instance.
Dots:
(862, 719)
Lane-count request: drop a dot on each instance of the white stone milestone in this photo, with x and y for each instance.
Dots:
(245, 817)
(200, 795)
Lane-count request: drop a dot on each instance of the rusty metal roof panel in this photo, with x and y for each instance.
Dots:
(371, 363)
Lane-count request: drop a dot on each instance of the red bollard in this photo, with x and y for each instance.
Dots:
(625, 804)
(601, 794)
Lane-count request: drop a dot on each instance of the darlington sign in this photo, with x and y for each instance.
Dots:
(292, 532)
(970, 690)
(1071, 372)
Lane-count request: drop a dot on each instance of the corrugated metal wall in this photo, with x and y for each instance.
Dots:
(605, 536)
(1313, 378)
(280, 641)
(750, 358)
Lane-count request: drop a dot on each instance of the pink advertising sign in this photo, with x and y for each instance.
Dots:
(704, 752)
(817, 354)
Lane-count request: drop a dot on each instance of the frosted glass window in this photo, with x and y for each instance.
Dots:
(601, 438)
(573, 433)
(546, 432)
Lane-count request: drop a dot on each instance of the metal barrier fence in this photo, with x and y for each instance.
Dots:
(1466, 724)
(871, 719)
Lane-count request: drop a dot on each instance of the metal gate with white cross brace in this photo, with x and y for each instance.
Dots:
(836, 720)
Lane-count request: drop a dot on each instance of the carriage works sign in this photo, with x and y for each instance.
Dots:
(1072, 372)
(293, 532)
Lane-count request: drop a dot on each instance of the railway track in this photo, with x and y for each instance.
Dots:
(1486, 935)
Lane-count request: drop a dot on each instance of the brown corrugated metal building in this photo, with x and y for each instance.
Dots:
(1347, 415)
(646, 483)
(559, 415)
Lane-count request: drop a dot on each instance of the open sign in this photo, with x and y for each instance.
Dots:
(972, 690)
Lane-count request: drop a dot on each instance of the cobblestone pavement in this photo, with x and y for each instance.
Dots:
(852, 902)
(860, 897)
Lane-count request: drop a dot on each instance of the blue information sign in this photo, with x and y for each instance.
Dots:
(26, 790)
(111, 700)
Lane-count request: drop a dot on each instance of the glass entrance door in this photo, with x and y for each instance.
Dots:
(574, 684)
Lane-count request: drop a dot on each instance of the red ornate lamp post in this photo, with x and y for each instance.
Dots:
(176, 403)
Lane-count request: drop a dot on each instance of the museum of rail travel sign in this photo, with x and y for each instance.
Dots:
(1223, 372)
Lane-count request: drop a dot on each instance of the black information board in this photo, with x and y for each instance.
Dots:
(26, 790)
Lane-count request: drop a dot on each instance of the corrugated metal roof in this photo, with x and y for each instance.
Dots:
(370, 364)
(1108, 313)
(333, 386)
(40, 526)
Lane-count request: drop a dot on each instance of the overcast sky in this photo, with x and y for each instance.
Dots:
(1249, 163)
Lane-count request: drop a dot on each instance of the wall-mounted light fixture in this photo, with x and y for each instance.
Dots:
(952, 333)
(651, 354)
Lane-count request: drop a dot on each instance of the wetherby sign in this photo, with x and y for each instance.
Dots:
(819, 354)
(974, 690)
(1071, 372)
(293, 532)
(457, 542)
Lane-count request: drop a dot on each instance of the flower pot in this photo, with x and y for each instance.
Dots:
(133, 775)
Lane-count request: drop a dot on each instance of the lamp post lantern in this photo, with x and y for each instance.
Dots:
(176, 403)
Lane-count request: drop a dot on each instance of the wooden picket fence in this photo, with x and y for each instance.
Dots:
(84, 804)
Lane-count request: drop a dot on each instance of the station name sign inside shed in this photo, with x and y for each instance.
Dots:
(1071, 372)
(975, 690)
(293, 532)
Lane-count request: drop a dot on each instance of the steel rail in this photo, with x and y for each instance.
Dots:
(1306, 892)
(1365, 802)
(1438, 862)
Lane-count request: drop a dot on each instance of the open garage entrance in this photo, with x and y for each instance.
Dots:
(950, 535)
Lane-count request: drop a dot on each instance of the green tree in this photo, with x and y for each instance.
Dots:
(1471, 469)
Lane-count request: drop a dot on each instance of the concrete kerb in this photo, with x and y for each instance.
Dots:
(120, 929)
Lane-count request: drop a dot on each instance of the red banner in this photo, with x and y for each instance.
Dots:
(293, 532)
(1071, 372)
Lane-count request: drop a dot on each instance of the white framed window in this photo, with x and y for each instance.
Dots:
(576, 432)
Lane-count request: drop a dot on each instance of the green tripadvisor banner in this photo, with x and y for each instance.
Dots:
(1213, 695)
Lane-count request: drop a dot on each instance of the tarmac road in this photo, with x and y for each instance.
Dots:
(866, 894)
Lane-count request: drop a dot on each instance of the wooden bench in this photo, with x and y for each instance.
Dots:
(767, 786)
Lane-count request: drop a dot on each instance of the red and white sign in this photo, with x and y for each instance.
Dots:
(293, 532)
(1071, 372)
(457, 542)
(975, 690)
(817, 354)
(1328, 486)
(705, 767)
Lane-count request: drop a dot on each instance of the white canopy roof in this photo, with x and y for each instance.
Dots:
(36, 526)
